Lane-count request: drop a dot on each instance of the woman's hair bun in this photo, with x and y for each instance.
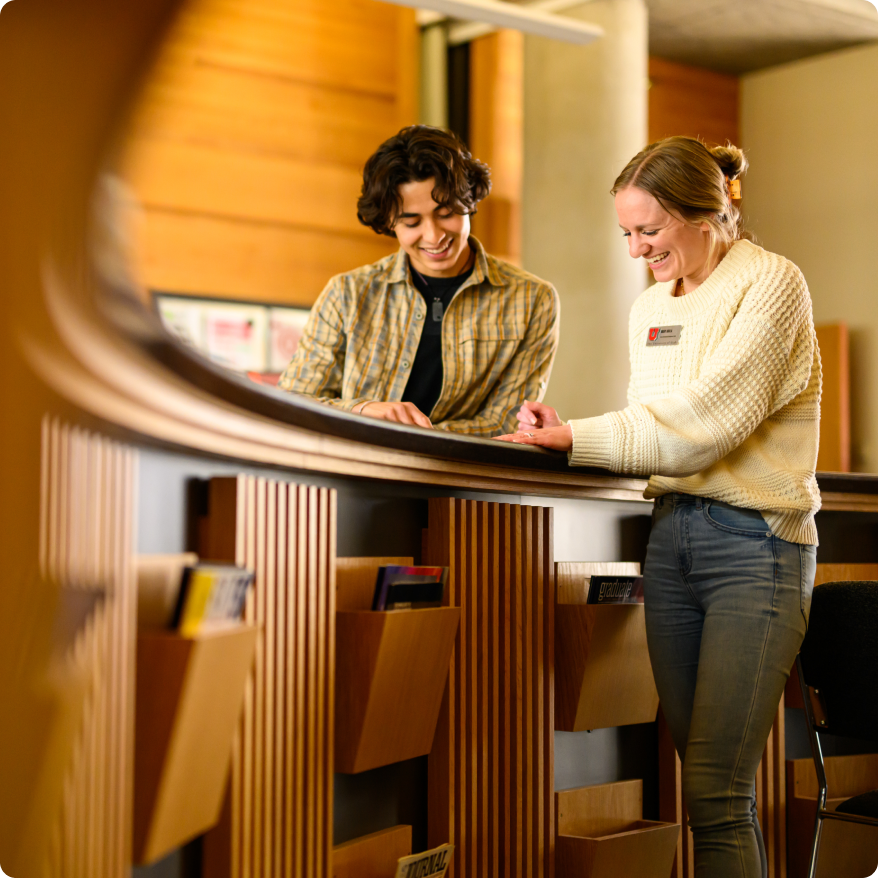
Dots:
(731, 160)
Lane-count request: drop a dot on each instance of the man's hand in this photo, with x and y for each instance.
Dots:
(556, 438)
(398, 412)
(536, 415)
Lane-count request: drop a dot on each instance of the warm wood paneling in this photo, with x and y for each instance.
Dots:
(692, 101)
(242, 260)
(771, 799)
(251, 136)
(372, 856)
(87, 521)
(277, 820)
(491, 768)
(496, 128)
(835, 399)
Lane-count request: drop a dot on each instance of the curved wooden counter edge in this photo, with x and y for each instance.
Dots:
(145, 382)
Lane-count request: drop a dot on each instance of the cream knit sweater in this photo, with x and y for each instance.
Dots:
(731, 412)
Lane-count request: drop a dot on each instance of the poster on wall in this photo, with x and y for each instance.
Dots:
(183, 318)
(247, 337)
(235, 336)
(285, 327)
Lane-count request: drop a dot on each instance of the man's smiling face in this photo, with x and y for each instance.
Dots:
(434, 237)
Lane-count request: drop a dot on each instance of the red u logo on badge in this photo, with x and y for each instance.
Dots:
(653, 333)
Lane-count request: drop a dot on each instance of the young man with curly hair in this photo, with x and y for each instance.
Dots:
(440, 334)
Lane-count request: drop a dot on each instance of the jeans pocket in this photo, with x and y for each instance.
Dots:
(735, 519)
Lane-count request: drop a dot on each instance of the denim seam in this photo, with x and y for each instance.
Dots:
(755, 691)
(688, 556)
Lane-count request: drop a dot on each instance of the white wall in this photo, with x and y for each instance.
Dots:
(585, 117)
(811, 132)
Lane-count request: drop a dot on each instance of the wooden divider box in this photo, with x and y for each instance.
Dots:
(601, 834)
(189, 696)
(372, 856)
(847, 850)
(603, 677)
(391, 669)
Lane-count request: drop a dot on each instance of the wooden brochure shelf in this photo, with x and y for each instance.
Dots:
(601, 834)
(391, 669)
(847, 850)
(602, 673)
(372, 856)
(189, 696)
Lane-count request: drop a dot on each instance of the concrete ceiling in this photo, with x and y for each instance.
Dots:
(744, 35)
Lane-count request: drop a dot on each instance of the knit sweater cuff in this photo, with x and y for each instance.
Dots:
(592, 442)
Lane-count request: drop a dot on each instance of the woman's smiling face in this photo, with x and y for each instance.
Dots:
(672, 249)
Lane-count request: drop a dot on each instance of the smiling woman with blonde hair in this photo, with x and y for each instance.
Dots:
(723, 414)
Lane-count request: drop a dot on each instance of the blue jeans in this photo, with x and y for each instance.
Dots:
(726, 610)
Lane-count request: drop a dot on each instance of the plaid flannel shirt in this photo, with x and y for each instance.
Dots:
(499, 337)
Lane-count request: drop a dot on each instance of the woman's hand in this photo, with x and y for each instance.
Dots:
(397, 412)
(556, 438)
(536, 415)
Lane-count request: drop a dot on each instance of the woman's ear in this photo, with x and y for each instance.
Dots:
(704, 227)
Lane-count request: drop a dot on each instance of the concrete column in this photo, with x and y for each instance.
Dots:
(585, 115)
(434, 76)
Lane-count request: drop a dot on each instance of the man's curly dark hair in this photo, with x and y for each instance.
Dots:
(420, 152)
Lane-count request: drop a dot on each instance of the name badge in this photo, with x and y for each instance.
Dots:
(659, 335)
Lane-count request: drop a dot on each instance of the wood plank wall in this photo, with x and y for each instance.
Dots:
(247, 148)
(771, 799)
(86, 534)
(277, 819)
(692, 101)
(491, 772)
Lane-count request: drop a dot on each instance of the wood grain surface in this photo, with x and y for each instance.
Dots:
(277, 817)
(491, 770)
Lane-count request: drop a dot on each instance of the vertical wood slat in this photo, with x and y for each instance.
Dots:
(770, 799)
(277, 822)
(88, 491)
(491, 772)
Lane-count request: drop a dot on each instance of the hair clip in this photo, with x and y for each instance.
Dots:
(734, 189)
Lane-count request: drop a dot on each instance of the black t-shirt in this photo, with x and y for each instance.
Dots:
(425, 380)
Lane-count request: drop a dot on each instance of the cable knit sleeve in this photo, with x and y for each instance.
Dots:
(762, 362)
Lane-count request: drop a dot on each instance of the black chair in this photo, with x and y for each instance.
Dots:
(838, 672)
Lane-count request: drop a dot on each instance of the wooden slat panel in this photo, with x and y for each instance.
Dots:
(835, 399)
(278, 820)
(240, 112)
(344, 45)
(770, 799)
(692, 101)
(491, 768)
(86, 537)
(319, 197)
(194, 253)
(249, 142)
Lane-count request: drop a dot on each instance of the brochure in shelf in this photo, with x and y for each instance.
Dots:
(429, 864)
(615, 590)
(211, 595)
(399, 588)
